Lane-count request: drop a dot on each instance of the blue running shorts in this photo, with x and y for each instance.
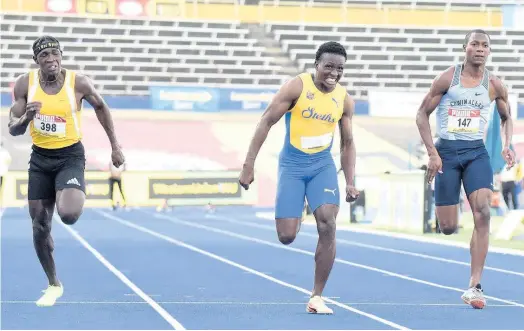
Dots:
(317, 182)
(462, 160)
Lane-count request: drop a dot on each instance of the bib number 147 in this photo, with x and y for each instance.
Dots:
(464, 122)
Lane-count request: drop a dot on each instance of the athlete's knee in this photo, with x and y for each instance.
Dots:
(448, 229)
(326, 225)
(69, 214)
(41, 217)
(70, 205)
(482, 216)
(480, 205)
(41, 226)
(447, 219)
(69, 217)
(448, 226)
(286, 238)
(325, 216)
(287, 229)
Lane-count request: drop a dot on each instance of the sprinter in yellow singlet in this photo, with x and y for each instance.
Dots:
(313, 105)
(49, 101)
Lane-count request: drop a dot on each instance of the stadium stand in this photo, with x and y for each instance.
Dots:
(401, 58)
(127, 56)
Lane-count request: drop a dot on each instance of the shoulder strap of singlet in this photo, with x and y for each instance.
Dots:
(306, 78)
(69, 87)
(485, 79)
(341, 92)
(72, 76)
(33, 84)
(456, 75)
(67, 78)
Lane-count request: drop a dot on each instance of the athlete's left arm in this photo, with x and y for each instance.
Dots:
(85, 87)
(504, 109)
(348, 152)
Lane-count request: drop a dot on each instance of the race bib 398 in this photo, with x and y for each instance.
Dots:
(50, 125)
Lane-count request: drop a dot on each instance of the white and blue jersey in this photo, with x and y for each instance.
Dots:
(462, 117)
(463, 113)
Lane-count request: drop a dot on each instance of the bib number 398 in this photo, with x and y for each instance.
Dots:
(47, 127)
(50, 125)
(463, 121)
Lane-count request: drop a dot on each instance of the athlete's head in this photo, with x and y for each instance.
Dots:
(48, 55)
(477, 45)
(329, 64)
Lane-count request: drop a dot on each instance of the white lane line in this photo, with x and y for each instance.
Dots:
(374, 247)
(161, 311)
(250, 270)
(302, 251)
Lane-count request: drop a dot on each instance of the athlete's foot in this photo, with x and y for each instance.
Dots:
(51, 294)
(316, 305)
(474, 297)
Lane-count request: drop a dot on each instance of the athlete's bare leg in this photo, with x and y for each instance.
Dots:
(70, 204)
(325, 216)
(41, 212)
(480, 202)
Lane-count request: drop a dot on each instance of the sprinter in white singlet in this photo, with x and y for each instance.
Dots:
(462, 96)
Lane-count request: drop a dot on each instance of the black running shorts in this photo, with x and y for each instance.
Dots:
(51, 170)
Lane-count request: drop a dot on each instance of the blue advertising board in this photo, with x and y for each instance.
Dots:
(184, 98)
(245, 99)
(202, 99)
(209, 99)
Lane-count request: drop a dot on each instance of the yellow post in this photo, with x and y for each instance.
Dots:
(344, 11)
(260, 12)
(302, 12)
(195, 9)
(236, 9)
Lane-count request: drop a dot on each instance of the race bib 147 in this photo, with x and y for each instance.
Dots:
(463, 121)
(50, 125)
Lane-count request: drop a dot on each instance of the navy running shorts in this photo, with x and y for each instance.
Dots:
(462, 161)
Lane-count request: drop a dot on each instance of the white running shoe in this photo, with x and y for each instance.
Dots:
(51, 294)
(474, 297)
(316, 305)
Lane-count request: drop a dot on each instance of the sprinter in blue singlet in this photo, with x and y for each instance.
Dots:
(313, 105)
(462, 96)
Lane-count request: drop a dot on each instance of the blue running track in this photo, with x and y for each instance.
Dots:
(186, 269)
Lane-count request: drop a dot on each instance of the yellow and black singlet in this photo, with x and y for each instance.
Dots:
(58, 124)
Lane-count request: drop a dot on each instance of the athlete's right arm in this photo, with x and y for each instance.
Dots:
(438, 88)
(18, 119)
(281, 103)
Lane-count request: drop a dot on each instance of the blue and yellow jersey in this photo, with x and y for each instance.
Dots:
(58, 124)
(311, 123)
